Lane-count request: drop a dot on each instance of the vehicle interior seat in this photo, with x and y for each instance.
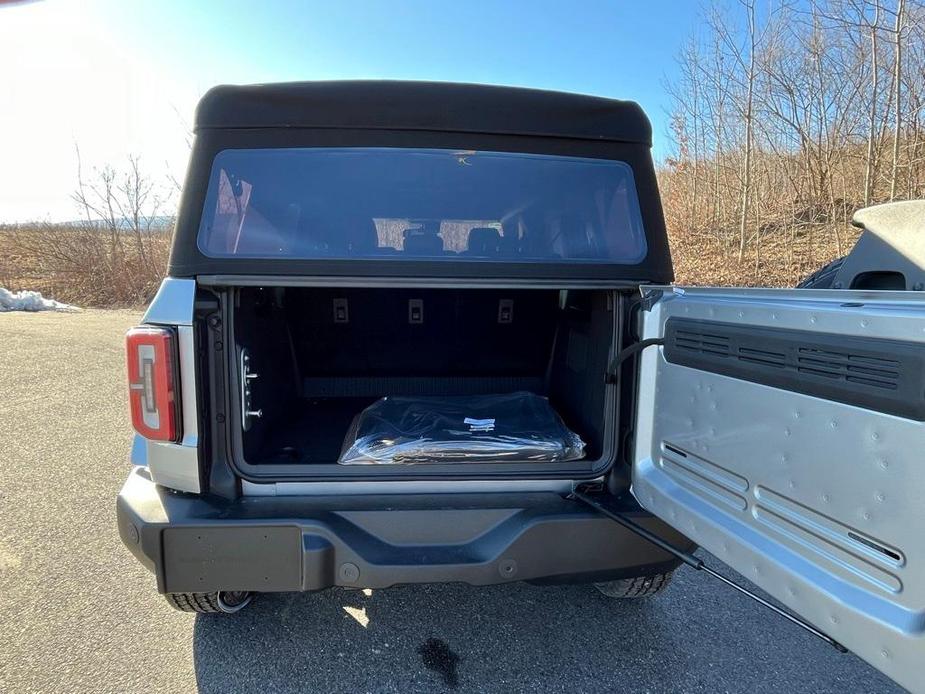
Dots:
(575, 241)
(510, 243)
(483, 241)
(421, 242)
(364, 239)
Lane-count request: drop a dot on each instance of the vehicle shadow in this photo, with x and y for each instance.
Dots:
(517, 638)
(429, 638)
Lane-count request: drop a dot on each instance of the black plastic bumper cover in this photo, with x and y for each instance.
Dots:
(308, 543)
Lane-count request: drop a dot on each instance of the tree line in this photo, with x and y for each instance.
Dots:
(786, 117)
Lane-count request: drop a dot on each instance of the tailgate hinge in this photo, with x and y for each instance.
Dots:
(649, 297)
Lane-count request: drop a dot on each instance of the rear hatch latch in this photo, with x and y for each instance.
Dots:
(246, 376)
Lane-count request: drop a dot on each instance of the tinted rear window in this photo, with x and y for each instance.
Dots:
(431, 204)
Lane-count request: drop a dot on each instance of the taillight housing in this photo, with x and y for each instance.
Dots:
(153, 382)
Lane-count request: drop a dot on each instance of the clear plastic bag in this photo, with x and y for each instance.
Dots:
(514, 427)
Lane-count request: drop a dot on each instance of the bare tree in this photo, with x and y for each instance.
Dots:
(117, 253)
(786, 120)
(749, 116)
(897, 86)
(874, 29)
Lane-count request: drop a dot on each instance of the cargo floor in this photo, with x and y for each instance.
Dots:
(312, 431)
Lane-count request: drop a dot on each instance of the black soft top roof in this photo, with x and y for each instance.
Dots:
(433, 106)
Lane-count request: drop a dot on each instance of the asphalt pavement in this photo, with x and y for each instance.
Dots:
(78, 613)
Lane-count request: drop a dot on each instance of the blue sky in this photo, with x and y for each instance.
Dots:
(117, 77)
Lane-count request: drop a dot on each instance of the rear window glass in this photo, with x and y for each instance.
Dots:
(415, 204)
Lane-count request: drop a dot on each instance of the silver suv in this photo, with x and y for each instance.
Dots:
(421, 332)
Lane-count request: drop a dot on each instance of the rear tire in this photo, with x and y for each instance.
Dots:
(226, 602)
(637, 587)
(823, 277)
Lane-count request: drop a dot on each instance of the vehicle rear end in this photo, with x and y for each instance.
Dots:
(384, 351)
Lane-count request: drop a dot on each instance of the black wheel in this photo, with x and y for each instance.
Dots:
(224, 601)
(638, 587)
(823, 277)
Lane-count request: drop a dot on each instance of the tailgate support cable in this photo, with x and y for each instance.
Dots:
(697, 563)
(613, 371)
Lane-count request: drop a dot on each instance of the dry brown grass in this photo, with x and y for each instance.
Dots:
(781, 259)
(84, 266)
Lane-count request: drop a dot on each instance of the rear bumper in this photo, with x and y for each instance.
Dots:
(309, 543)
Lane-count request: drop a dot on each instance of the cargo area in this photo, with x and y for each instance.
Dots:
(308, 361)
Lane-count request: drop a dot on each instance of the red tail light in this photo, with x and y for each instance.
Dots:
(153, 383)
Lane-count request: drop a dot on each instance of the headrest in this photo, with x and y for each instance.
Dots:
(484, 241)
(364, 237)
(575, 237)
(426, 243)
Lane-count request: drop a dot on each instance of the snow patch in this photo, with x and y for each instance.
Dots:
(30, 301)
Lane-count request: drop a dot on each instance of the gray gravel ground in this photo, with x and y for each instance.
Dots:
(77, 613)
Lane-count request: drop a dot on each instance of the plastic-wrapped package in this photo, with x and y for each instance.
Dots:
(514, 427)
